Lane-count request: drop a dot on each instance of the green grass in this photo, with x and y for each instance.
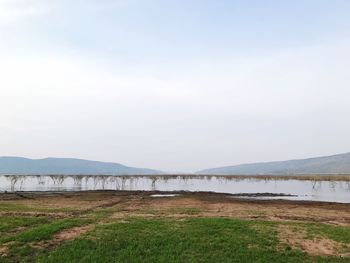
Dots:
(155, 238)
(46, 231)
(192, 240)
(20, 246)
(161, 240)
(172, 211)
(336, 233)
(10, 224)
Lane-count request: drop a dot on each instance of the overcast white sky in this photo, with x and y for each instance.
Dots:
(174, 85)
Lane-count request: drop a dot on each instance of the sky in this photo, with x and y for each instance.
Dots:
(174, 85)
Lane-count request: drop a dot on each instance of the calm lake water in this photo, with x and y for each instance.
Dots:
(330, 191)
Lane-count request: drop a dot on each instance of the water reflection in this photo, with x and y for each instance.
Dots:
(332, 191)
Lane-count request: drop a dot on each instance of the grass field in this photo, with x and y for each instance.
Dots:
(135, 227)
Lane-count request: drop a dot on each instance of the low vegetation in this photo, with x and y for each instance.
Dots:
(134, 227)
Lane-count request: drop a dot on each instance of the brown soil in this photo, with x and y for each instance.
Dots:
(72, 233)
(3, 251)
(317, 246)
(214, 205)
(139, 203)
(65, 235)
(35, 214)
(71, 203)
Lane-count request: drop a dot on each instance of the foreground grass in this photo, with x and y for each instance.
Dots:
(191, 240)
(24, 246)
(178, 229)
(336, 233)
(11, 224)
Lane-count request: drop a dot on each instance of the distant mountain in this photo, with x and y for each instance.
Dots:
(66, 166)
(335, 164)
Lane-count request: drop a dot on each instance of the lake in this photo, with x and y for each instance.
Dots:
(290, 189)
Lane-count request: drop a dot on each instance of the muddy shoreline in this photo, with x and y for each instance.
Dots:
(258, 198)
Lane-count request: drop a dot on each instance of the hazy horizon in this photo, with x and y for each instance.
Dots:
(174, 86)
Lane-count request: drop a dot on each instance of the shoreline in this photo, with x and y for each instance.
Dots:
(258, 198)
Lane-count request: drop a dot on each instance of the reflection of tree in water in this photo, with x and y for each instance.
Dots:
(86, 178)
(348, 185)
(114, 182)
(208, 178)
(185, 179)
(117, 185)
(153, 185)
(316, 185)
(100, 179)
(103, 180)
(111, 181)
(237, 180)
(166, 179)
(14, 179)
(131, 182)
(136, 182)
(96, 181)
(21, 181)
(221, 179)
(332, 185)
(57, 179)
(40, 179)
(123, 182)
(77, 181)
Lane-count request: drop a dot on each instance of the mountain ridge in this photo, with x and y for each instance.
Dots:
(67, 166)
(332, 164)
